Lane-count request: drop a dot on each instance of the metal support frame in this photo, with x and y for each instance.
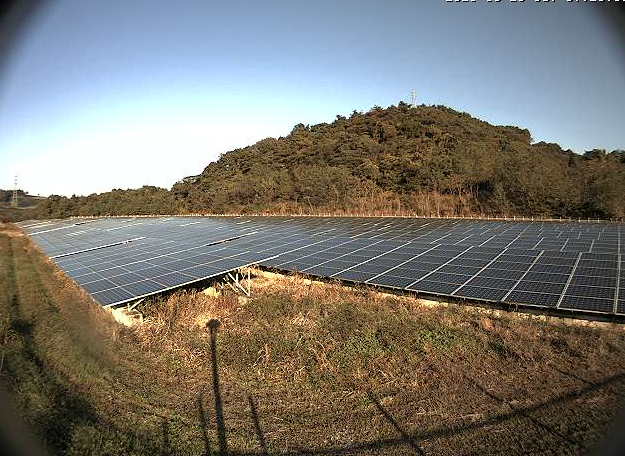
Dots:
(237, 284)
(132, 305)
(14, 200)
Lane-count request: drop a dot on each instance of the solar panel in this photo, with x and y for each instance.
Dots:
(538, 299)
(478, 292)
(588, 304)
(501, 274)
(540, 287)
(573, 266)
(323, 271)
(546, 277)
(434, 287)
(608, 282)
(354, 275)
(490, 282)
(591, 292)
(392, 281)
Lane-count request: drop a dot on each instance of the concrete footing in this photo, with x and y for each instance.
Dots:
(212, 292)
(127, 317)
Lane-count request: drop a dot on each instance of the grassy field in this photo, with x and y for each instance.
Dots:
(301, 368)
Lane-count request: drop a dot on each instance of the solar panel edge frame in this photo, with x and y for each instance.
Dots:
(344, 255)
(618, 275)
(490, 235)
(169, 254)
(525, 304)
(480, 271)
(523, 276)
(125, 241)
(437, 268)
(568, 282)
(561, 309)
(400, 264)
(309, 245)
(64, 227)
(134, 298)
(370, 259)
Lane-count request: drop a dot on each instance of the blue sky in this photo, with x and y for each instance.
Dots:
(117, 94)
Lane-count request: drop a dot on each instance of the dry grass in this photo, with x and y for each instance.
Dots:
(300, 368)
(314, 354)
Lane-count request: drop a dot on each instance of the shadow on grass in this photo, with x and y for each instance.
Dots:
(213, 325)
(204, 424)
(406, 438)
(65, 419)
(257, 428)
(525, 413)
(69, 409)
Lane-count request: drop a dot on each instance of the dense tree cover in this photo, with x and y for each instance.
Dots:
(144, 200)
(431, 160)
(5, 196)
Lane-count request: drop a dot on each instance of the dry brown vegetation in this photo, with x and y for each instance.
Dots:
(300, 368)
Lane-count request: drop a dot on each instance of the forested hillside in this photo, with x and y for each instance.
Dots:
(145, 200)
(429, 160)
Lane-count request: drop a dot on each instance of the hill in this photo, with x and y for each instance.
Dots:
(430, 160)
(26, 205)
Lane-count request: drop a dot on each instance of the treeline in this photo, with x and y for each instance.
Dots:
(429, 160)
(145, 200)
(6, 196)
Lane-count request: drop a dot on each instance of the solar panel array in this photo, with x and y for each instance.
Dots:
(120, 260)
(572, 266)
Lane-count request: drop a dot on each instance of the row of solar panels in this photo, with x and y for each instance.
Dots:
(582, 281)
(545, 236)
(575, 266)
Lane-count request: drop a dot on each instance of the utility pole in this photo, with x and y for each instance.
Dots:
(14, 199)
(413, 98)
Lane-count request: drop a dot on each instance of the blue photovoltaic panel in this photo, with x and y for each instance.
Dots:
(533, 298)
(567, 265)
(588, 304)
(484, 293)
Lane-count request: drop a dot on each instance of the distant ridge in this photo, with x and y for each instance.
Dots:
(428, 160)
